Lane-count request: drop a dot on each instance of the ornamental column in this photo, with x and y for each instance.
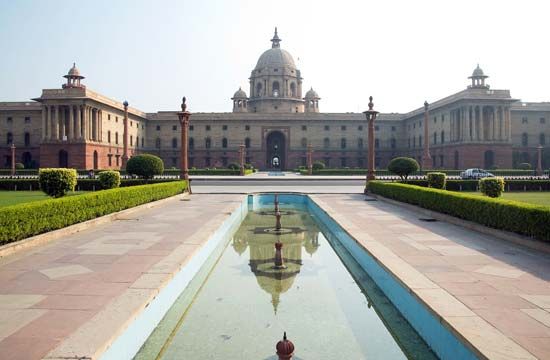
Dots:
(426, 158)
(12, 159)
(125, 136)
(371, 116)
(84, 122)
(56, 122)
(539, 161)
(183, 117)
(472, 115)
(241, 159)
(71, 122)
(309, 159)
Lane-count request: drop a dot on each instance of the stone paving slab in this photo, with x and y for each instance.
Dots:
(492, 293)
(71, 297)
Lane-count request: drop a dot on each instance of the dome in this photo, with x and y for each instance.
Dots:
(275, 57)
(74, 71)
(312, 94)
(478, 72)
(240, 94)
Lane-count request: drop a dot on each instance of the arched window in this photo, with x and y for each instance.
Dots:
(27, 139)
(116, 137)
(342, 143)
(109, 136)
(247, 143)
(207, 143)
(174, 143)
(376, 143)
(393, 143)
(326, 143)
(524, 139)
(157, 143)
(435, 138)
(224, 143)
(304, 142)
(542, 139)
(293, 89)
(360, 143)
(9, 138)
(259, 89)
(275, 89)
(191, 143)
(442, 137)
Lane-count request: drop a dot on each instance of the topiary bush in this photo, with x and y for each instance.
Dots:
(109, 179)
(57, 182)
(403, 167)
(318, 165)
(145, 165)
(524, 166)
(492, 186)
(437, 180)
(19, 166)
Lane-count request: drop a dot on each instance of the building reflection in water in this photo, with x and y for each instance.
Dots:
(261, 246)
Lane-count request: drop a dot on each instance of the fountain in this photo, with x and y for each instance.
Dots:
(277, 221)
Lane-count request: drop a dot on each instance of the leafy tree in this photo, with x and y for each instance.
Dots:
(403, 167)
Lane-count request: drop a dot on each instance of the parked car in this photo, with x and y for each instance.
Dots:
(475, 174)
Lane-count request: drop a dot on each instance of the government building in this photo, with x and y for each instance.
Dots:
(74, 126)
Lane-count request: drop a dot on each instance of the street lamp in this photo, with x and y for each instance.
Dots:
(371, 116)
(426, 158)
(125, 136)
(183, 117)
(309, 159)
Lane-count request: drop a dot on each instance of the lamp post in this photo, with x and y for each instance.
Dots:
(241, 159)
(371, 116)
(309, 159)
(426, 158)
(125, 136)
(12, 147)
(183, 117)
(539, 161)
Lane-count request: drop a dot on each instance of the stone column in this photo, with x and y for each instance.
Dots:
(56, 122)
(371, 117)
(90, 119)
(426, 158)
(539, 161)
(309, 159)
(472, 114)
(508, 123)
(78, 124)
(43, 122)
(12, 147)
(71, 122)
(84, 122)
(183, 117)
(125, 136)
(100, 126)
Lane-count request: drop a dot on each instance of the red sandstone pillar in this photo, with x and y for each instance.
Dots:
(183, 117)
(426, 158)
(125, 136)
(309, 159)
(12, 159)
(371, 116)
(539, 161)
(241, 159)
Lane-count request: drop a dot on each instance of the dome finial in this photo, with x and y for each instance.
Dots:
(276, 40)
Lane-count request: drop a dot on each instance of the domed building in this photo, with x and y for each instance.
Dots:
(74, 126)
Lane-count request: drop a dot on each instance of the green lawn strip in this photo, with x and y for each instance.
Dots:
(8, 198)
(531, 197)
(28, 219)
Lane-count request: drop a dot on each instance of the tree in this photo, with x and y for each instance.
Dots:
(145, 165)
(403, 167)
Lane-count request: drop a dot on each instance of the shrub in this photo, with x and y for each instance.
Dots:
(109, 179)
(57, 182)
(524, 166)
(403, 166)
(145, 165)
(234, 166)
(318, 165)
(437, 180)
(19, 166)
(24, 220)
(492, 186)
(522, 218)
(249, 166)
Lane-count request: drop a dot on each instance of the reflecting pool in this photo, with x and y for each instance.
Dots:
(327, 304)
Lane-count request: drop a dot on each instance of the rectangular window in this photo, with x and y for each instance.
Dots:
(131, 140)
(207, 127)
(360, 128)
(327, 128)
(109, 118)
(224, 127)
(131, 124)
(304, 128)
(174, 161)
(116, 120)
(376, 128)
(27, 119)
(110, 157)
(247, 127)
(191, 127)
(174, 127)
(542, 120)
(393, 128)
(9, 120)
(158, 127)
(343, 127)
(524, 120)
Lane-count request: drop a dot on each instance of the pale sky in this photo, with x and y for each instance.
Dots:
(151, 53)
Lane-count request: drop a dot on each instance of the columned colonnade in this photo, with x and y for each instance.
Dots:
(71, 122)
(481, 123)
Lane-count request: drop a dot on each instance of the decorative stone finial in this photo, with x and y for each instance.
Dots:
(426, 105)
(285, 348)
(276, 40)
(125, 103)
(371, 104)
(183, 104)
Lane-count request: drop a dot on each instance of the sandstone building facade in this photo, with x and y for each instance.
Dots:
(76, 127)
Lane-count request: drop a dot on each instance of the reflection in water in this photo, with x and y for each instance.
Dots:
(300, 232)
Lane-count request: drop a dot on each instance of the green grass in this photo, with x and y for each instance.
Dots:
(532, 197)
(18, 197)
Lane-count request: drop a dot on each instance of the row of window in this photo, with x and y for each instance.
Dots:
(26, 138)
(525, 120)
(131, 139)
(525, 139)
(247, 128)
(9, 120)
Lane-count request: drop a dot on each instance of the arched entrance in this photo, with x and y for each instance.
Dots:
(489, 159)
(275, 151)
(27, 160)
(63, 159)
(96, 160)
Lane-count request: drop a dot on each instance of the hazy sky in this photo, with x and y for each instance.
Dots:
(154, 52)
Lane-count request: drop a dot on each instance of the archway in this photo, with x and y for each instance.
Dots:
(275, 151)
(63, 159)
(96, 160)
(27, 159)
(489, 159)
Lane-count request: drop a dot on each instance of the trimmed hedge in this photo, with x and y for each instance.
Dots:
(81, 184)
(145, 165)
(492, 186)
(109, 179)
(436, 180)
(403, 166)
(57, 182)
(518, 217)
(25, 220)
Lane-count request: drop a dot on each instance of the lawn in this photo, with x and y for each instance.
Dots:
(17, 197)
(533, 197)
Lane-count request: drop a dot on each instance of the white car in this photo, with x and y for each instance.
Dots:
(475, 174)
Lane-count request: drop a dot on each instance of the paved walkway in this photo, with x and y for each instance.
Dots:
(494, 293)
(95, 280)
